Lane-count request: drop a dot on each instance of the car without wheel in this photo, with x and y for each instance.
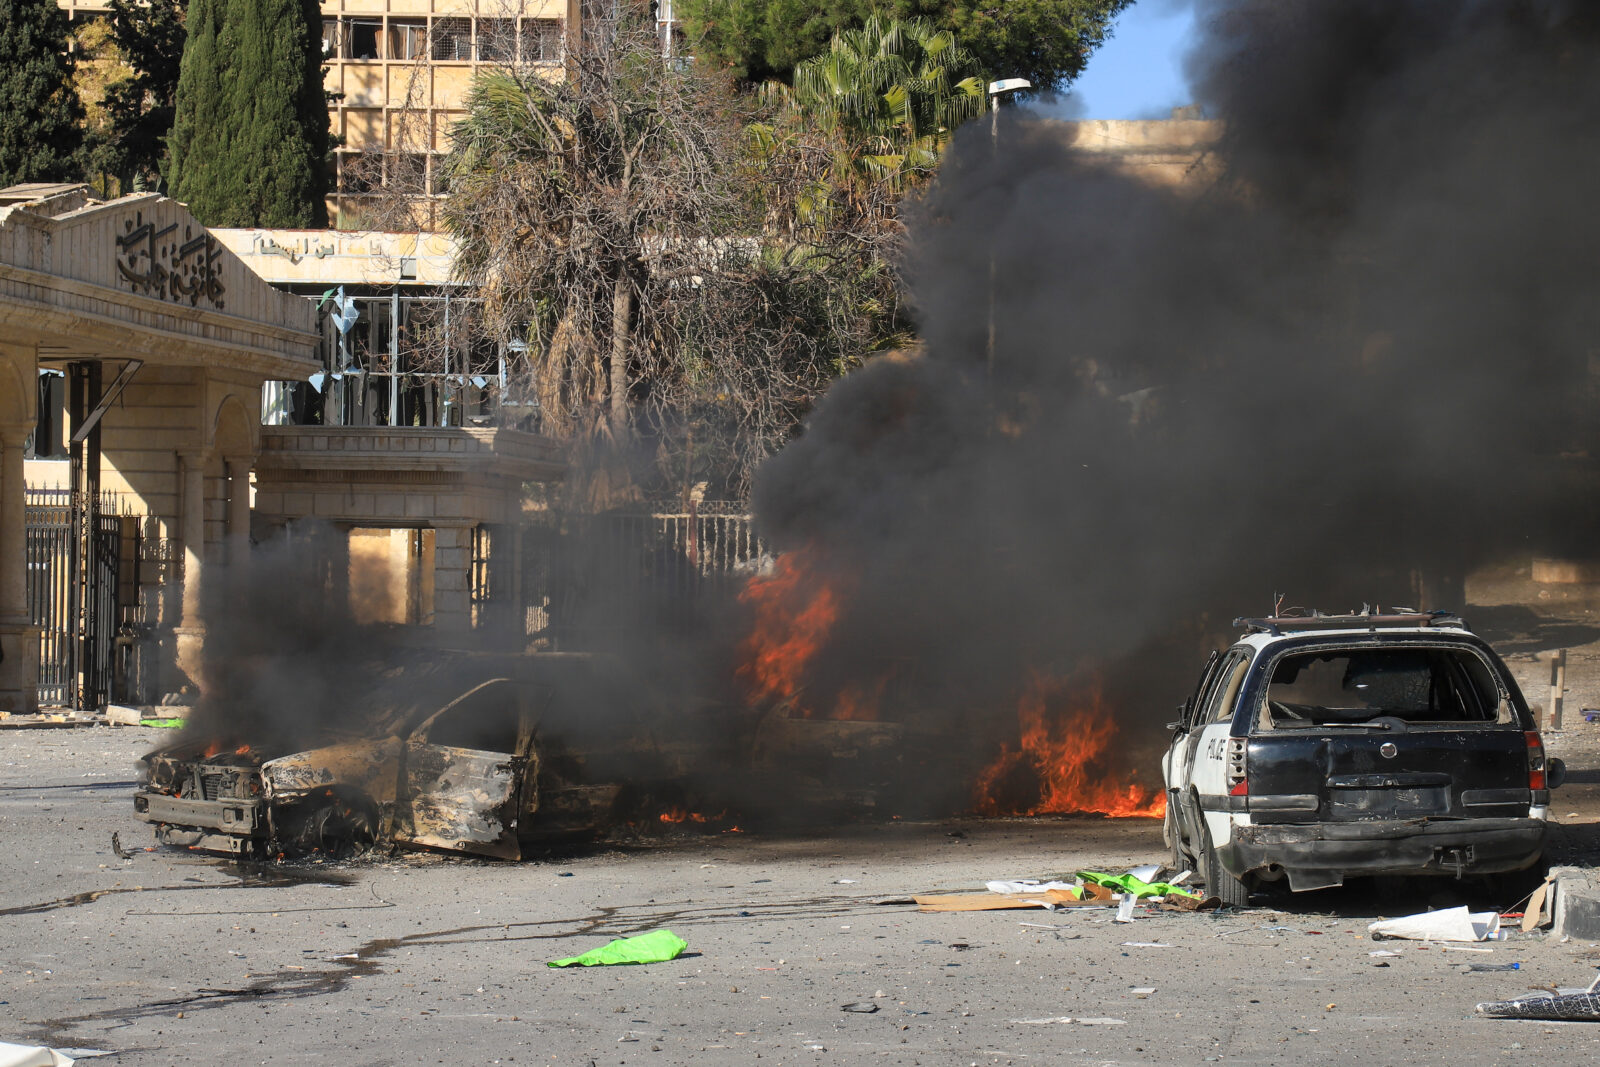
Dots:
(1324, 746)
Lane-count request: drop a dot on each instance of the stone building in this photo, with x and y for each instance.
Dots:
(133, 348)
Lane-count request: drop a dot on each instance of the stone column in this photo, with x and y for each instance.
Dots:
(19, 639)
(238, 515)
(452, 559)
(191, 627)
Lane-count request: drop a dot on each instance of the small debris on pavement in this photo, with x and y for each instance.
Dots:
(860, 1007)
(1446, 924)
(658, 946)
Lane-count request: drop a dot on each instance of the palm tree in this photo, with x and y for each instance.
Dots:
(894, 90)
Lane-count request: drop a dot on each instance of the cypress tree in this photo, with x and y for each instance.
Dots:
(41, 117)
(250, 136)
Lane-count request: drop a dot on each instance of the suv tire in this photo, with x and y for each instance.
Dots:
(1219, 883)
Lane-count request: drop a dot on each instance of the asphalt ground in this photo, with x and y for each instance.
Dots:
(174, 958)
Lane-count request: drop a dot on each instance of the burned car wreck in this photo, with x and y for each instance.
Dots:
(470, 777)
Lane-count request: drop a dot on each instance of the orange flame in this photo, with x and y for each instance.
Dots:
(675, 815)
(1065, 753)
(794, 612)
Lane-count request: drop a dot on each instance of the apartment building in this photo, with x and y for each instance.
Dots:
(398, 72)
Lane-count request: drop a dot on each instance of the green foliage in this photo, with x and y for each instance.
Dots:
(668, 290)
(139, 108)
(250, 130)
(893, 92)
(1045, 41)
(40, 114)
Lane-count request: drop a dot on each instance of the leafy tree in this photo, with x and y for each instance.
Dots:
(250, 130)
(139, 107)
(676, 317)
(1045, 41)
(40, 114)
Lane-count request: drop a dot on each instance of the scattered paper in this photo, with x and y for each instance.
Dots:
(31, 1056)
(1069, 1019)
(1028, 887)
(1446, 924)
(1125, 909)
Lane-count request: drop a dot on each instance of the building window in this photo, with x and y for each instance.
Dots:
(363, 41)
(452, 40)
(407, 38)
(359, 171)
(541, 40)
(497, 41)
(330, 39)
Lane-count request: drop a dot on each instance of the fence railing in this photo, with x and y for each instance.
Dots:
(586, 579)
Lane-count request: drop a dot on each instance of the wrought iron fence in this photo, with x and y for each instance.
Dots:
(590, 577)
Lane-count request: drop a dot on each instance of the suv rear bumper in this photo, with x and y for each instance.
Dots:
(1321, 854)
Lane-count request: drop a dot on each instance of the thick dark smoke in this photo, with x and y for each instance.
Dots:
(1349, 363)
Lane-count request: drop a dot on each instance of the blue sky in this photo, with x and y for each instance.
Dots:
(1139, 72)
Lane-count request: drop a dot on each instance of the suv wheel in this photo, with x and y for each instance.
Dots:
(1219, 883)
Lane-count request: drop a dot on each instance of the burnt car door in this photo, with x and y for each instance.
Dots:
(465, 772)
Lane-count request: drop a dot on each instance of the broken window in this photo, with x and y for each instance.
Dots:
(488, 719)
(331, 38)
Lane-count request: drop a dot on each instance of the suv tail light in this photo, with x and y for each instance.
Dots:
(1238, 786)
(1535, 759)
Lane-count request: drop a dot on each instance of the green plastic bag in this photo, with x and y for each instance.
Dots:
(1127, 883)
(657, 946)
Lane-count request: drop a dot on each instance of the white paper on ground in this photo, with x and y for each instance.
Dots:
(1147, 873)
(1125, 909)
(1013, 888)
(1447, 924)
(31, 1056)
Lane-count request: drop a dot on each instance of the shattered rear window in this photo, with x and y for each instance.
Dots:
(1353, 686)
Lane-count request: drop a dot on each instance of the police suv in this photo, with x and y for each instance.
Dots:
(1325, 746)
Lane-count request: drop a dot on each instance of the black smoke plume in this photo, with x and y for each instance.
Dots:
(1348, 361)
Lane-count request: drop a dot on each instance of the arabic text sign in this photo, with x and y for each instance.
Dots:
(157, 262)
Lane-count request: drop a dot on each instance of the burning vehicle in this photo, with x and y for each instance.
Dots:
(470, 777)
(1320, 747)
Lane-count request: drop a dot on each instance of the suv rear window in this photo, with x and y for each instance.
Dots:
(1349, 686)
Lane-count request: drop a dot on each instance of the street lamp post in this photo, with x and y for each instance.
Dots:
(996, 90)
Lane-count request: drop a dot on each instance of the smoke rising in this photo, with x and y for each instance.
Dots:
(1348, 361)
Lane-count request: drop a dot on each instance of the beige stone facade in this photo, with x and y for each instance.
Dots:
(426, 517)
(397, 75)
(135, 292)
(1171, 152)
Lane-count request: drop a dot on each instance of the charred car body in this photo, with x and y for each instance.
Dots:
(1327, 746)
(469, 777)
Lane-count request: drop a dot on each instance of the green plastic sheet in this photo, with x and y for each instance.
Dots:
(657, 946)
(1127, 883)
(164, 724)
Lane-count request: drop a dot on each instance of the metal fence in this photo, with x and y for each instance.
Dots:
(73, 595)
(590, 577)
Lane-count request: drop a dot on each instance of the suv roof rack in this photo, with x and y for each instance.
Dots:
(1373, 619)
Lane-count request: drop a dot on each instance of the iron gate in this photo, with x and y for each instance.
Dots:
(73, 596)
